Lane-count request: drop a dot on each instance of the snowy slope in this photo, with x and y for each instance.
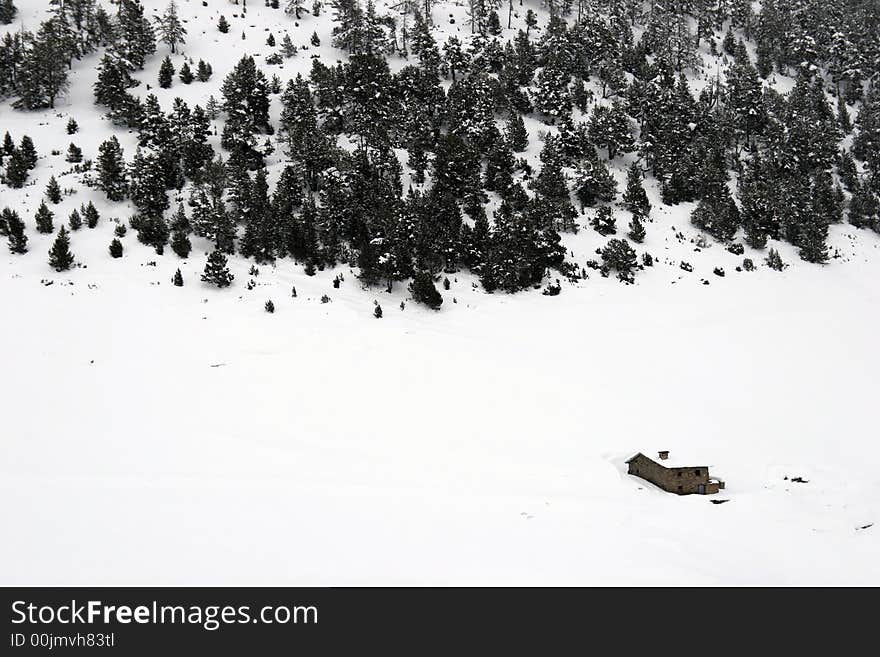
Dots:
(162, 435)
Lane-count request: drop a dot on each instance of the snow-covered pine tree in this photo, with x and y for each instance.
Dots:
(135, 38)
(15, 232)
(44, 219)
(75, 220)
(204, 71)
(60, 256)
(74, 154)
(634, 198)
(7, 11)
(112, 178)
(636, 229)
(186, 75)
(53, 191)
(90, 214)
(593, 183)
(166, 73)
(517, 136)
(294, 7)
(44, 75)
(16, 169)
(609, 128)
(111, 87)
(180, 230)
(216, 270)
(603, 221)
(170, 28)
(28, 151)
(147, 183)
(423, 290)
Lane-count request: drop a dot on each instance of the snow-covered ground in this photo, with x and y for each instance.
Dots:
(167, 435)
(162, 435)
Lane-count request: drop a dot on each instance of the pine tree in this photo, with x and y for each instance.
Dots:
(593, 183)
(516, 133)
(136, 39)
(16, 169)
(866, 144)
(843, 119)
(287, 47)
(603, 221)
(216, 270)
(170, 27)
(44, 219)
(15, 232)
(180, 230)
(204, 71)
(718, 216)
(112, 179)
(111, 88)
(166, 73)
(72, 126)
(28, 152)
(609, 128)
(53, 191)
(90, 213)
(7, 11)
(74, 154)
(60, 256)
(864, 208)
(774, 260)
(246, 103)
(186, 74)
(499, 169)
(223, 24)
(619, 256)
(147, 183)
(177, 279)
(261, 230)
(634, 198)
(552, 96)
(75, 220)
(377, 311)
(423, 290)
(45, 75)
(116, 248)
(636, 229)
(294, 7)
(812, 239)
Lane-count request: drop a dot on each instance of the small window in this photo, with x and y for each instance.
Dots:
(697, 472)
(679, 473)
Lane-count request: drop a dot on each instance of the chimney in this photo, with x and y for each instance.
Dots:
(663, 455)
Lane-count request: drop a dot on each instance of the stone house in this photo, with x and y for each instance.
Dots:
(679, 479)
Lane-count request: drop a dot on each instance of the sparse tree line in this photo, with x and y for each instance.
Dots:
(333, 205)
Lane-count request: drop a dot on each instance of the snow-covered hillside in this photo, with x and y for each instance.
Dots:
(156, 434)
